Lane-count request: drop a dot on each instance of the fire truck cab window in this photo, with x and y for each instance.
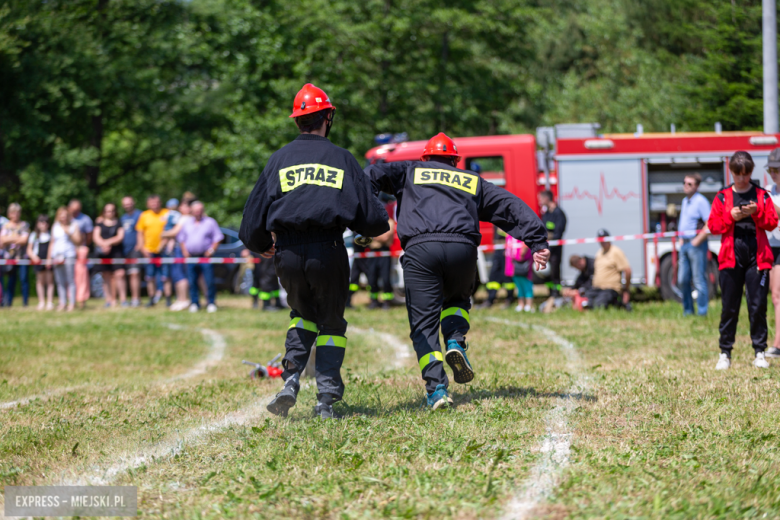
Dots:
(490, 168)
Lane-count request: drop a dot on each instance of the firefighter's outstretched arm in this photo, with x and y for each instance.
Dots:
(387, 177)
(253, 231)
(370, 217)
(514, 216)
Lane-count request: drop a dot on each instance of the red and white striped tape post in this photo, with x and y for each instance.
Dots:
(368, 254)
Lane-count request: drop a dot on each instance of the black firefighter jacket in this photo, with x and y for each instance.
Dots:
(310, 191)
(437, 202)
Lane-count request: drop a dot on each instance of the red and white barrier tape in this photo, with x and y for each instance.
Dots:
(135, 261)
(368, 254)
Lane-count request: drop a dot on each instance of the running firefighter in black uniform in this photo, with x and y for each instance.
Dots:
(439, 209)
(308, 193)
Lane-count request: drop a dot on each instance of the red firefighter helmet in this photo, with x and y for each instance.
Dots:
(310, 99)
(440, 144)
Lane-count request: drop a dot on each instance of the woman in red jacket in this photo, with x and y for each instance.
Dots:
(740, 214)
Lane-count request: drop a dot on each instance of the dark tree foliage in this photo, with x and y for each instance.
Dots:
(102, 98)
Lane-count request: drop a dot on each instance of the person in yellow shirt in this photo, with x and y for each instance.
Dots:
(150, 228)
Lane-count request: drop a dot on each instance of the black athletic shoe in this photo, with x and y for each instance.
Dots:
(324, 411)
(458, 362)
(374, 304)
(287, 398)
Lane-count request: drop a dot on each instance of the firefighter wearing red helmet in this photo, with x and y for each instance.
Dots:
(439, 210)
(309, 192)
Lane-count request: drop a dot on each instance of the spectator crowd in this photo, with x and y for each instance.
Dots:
(179, 230)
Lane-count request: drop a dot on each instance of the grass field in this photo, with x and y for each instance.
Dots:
(654, 431)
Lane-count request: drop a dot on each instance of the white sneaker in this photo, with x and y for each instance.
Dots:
(194, 307)
(760, 361)
(519, 308)
(724, 363)
(529, 308)
(179, 305)
(211, 308)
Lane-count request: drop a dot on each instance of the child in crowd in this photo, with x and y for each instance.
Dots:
(519, 265)
(37, 250)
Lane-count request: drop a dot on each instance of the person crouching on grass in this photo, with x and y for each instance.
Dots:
(741, 213)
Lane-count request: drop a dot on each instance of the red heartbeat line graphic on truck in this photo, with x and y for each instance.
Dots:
(603, 193)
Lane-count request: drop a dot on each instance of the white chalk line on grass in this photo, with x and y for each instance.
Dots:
(215, 354)
(145, 456)
(173, 446)
(401, 350)
(556, 444)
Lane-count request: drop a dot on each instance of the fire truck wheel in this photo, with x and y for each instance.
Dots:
(669, 289)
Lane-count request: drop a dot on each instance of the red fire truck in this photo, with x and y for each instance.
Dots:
(627, 183)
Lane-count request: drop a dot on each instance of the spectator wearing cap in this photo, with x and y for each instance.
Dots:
(150, 228)
(773, 168)
(177, 272)
(130, 247)
(81, 271)
(167, 250)
(741, 213)
(611, 277)
(693, 254)
(200, 236)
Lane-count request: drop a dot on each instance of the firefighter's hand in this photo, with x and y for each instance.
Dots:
(270, 253)
(362, 241)
(540, 259)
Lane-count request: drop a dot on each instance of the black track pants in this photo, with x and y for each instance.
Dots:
(264, 280)
(556, 254)
(379, 277)
(756, 284)
(359, 265)
(439, 278)
(498, 279)
(316, 278)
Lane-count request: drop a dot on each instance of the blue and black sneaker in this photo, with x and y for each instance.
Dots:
(458, 362)
(439, 398)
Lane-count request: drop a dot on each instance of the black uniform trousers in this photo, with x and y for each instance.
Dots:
(498, 279)
(756, 284)
(264, 280)
(439, 278)
(359, 265)
(316, 278)
(379, 276)
(556, 255)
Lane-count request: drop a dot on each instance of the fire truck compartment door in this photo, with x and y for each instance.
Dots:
(602, 194)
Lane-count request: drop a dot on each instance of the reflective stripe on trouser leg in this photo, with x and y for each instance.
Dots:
(354, 287)
(429, 358)
(265, 296)
(432, 370)
(275, 294)
(330, 357)
(455, 323)
(301, 335)
(387, 296)
(509, 286)
(493, 286)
